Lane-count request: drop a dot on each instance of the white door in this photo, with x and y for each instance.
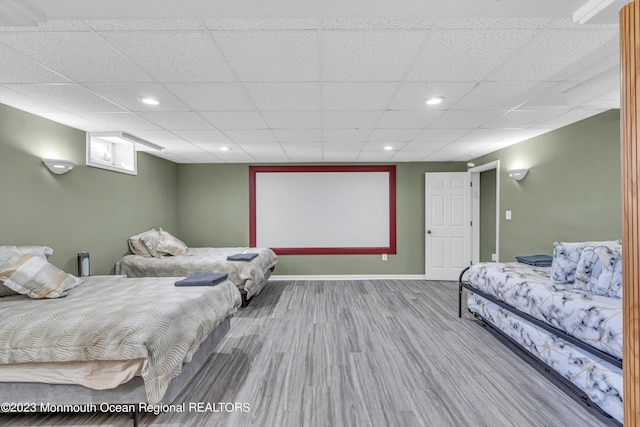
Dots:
(447, 224)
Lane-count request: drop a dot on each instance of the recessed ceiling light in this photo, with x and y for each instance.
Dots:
(150, 101)
(434, 101)
(224, 148)
(388, 148)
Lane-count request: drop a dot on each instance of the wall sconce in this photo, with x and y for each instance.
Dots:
(59, 166)
(518, 174)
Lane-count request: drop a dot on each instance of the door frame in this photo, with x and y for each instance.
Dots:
(475, 208)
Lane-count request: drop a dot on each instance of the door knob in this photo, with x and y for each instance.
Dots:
(428, 231)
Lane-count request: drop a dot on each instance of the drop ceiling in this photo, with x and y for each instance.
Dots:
(333, 81)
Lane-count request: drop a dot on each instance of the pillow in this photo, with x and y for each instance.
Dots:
(137, 243)
(9, 251)
(566, 256)
(599, 271)
(36, 278)
(10, 254)
(171, 245)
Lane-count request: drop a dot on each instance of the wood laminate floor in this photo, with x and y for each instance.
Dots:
(358, 353)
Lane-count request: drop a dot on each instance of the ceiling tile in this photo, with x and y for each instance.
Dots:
(126, 122)
(51, 25)
(408, 119)
(17, 68)
(26, 103)
(306, 157)
(271, 56)
(375, 156)
(377, 23)
(550, 53)
(350, 119)
(440, 134)
(69, 97)
(393, 135)
(379, 146)
(521, 119)
(343, 135)
(552, 98)
(173, 56)
(293, 119)
(248, 136)
(340, 156)
(236, 119)
(90, 60)
(253, 24)
(501, 95)
(76, 122)
(486, 23)
(285, 96)
(459, 55)
(213, 96)
(178, 120)
(444, 155)
(567, 118)
(198, 137)
(236, 157)
(129, 96)
(357, 96)
(412, 96)
(355, 56)
(301, 147)
(269, 158)
(410, 156)
(464, 119)
(298, 135)
(260, 147)
(424, 146)
(343, 146)
(145, 25)
(486, 135)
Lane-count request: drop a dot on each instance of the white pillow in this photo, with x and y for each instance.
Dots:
(10, 254)
(171, 245)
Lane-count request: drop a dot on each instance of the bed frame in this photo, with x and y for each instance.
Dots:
(559, 380)
(243, 293)
(131, 392)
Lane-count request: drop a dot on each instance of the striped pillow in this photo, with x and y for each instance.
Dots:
(138, 245)
(36, 278)
(10, 254)
(171, 245)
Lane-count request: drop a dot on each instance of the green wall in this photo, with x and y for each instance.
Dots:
(213, 210)
(571, 193)
(87, 209)
(487, 215)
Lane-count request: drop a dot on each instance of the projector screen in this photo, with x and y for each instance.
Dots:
(323, 209)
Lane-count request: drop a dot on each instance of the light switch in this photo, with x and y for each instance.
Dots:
(508, 215)
(384, 257)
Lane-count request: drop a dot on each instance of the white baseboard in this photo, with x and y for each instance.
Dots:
(348, 277)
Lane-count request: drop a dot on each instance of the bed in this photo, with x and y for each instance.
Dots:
(572, 335)
(149, 337)
(249, 276)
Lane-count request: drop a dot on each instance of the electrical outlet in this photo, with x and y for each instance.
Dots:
(494, 257)
(384, 257)
(508, 215)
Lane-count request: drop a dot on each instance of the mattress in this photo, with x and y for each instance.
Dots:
(113, 319)
(246, 275)
(598, 379)
(593, 319)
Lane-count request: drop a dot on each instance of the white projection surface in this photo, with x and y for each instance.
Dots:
(323, 210)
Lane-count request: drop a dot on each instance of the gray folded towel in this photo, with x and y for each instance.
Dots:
(536, 260)
(202, 279)
(242, 257)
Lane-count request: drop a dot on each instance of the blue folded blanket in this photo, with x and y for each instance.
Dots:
(242, 257)
(202, 279)
(536, 260)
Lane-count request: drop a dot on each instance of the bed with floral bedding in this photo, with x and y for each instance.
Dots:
(567, 316)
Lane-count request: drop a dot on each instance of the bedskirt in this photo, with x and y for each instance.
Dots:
(598, 379)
